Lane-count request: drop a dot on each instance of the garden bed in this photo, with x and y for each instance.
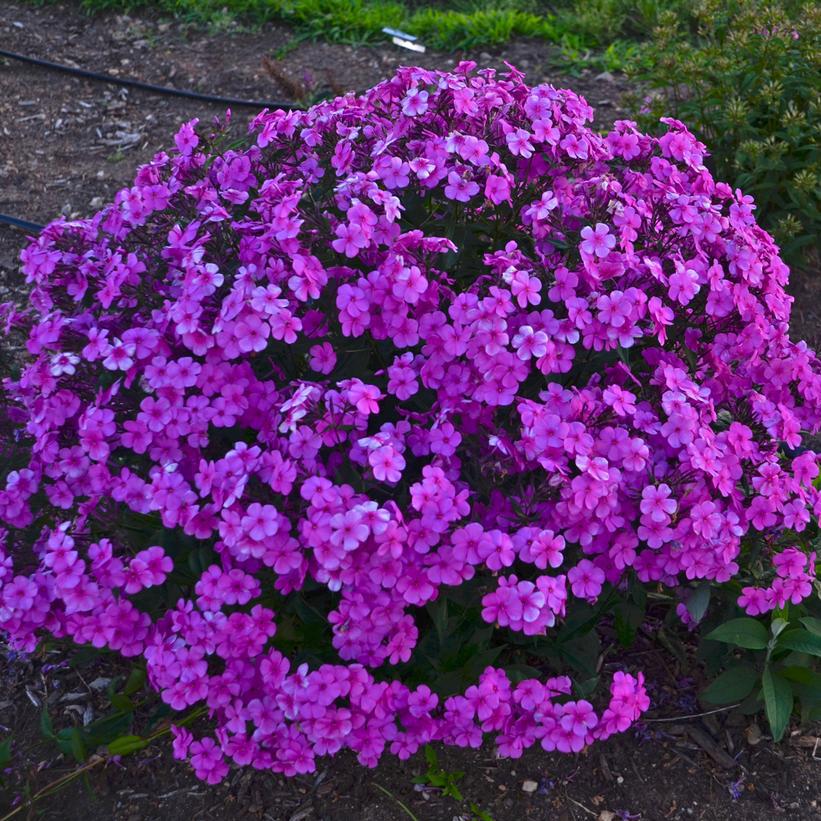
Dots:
(67, 146)
(676, 766)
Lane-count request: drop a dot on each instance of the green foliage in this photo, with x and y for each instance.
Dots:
(442, 779)
(447, 783)
(743, 632)
(777, 666)
(5, 755)
(599, 22)
(131, 703)
(478, 814)
(778, 701)
(125, 744)
(80, 742)
(357, 22)
(126, 697)
(577, 26)
(733, 685)
(744, 75)
(698, 601)
(450, 30)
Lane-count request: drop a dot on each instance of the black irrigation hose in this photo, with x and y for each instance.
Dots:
(154, 89)
(24, 225)
(33, 227)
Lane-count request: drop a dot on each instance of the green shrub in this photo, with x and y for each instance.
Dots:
(748, 84)
(604, 21)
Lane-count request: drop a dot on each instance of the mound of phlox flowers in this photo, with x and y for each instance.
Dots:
(441, 334)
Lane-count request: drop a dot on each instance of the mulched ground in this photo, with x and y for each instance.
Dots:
(677, 766)
(66, 146)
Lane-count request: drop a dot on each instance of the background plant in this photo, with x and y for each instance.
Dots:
(769, 657)
(745, 76)
(778, 668)
(448, 26)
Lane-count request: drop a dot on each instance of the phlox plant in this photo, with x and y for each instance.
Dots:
(295, 411)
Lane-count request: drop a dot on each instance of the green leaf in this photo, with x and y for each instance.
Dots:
(802, 675)
(438, 612)
(85, 655)
(5, 753)
(629, 617)
(480, 814)
(63, 739)
(732, 685)
(454, 792)
(126, 744)
(812, 624)
(744, 632)
(122, 703)
(586, 687)
(136, 681)
(77, 745)
(778, 701)
(806, 685)
(520, 672)
(106, 729)
(46, 725)
(800, 641)
(698, 601)
(431, 757)
(582, 653)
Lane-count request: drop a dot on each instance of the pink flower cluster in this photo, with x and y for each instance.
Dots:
(441, 332)
(795, 574)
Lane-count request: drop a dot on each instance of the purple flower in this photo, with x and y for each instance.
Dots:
(441, 332)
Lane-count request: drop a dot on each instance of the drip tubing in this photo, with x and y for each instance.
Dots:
(23, 225)
(150, 87)
(33, 227)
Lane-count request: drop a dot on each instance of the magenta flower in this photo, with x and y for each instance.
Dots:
(574, 146)
(387, 464)
(415, 103)
(323, 358)
(597, 241)
(364, 397)
(459, 188)
(518, 142)
(578, 717)
(529, 343)
(586, 580)
(442, 332)
(260, 521)
(657, 504)
(756, 601)
(497, 189)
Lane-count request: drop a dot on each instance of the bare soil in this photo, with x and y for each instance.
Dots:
(66, 146)
(678, 765)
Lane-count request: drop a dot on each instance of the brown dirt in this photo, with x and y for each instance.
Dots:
(674, 767)
(66, 146)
